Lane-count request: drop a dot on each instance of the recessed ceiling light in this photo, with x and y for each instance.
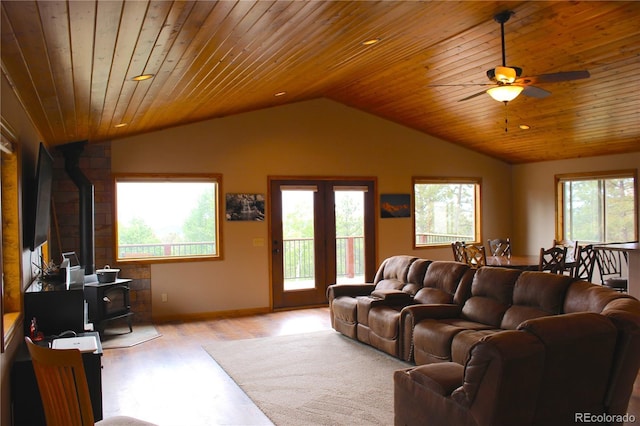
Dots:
(280, 94)
(142, 77)
(121, 125)
(524, 127)
(370, 42)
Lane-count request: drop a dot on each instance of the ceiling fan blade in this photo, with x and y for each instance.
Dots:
(555, 77)
(473, 96)
(535, 92)
(461, 84)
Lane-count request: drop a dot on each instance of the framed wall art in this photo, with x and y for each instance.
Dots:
(245, 207)
(395, 205)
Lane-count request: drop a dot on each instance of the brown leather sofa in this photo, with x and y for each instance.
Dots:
(393, 274)
(553, 370)
(370, 313)
(478, 361)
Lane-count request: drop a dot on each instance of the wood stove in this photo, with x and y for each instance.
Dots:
(108, 301)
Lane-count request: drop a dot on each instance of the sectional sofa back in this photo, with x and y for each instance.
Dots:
(624, 312)
(393, 271)
(491, 295)
(444, 282)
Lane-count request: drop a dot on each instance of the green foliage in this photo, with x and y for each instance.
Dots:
(445, 209)
(200, 225)
(137, 232)
(349, 213)
(599, 210)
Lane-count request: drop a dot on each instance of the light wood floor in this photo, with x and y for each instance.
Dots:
(172, 380)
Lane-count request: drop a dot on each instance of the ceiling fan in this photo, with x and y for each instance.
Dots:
(508, 82)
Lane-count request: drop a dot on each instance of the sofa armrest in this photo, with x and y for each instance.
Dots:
(351, 290)
(413, 314)
(441, 378)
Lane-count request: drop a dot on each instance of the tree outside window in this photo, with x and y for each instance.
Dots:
(446, 210)
(597, 208)
(167, 217)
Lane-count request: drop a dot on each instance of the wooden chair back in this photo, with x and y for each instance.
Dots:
(63, 385)
(572, 249)
(475, 256)
(585, 263)
(499, 247)
(553, 259)
(610, 267)
(458, 251)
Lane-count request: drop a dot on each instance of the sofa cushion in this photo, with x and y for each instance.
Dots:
(491, 295)
(541, 290)
(393, 272)
(441, 281)
(583, 296)
(432, 339)
(384, 321)
(535, 295)
(415, 276)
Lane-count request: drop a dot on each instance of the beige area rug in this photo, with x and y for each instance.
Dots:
(320, 378)
(119, 337)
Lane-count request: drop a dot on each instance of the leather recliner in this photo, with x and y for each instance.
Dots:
(547, 372)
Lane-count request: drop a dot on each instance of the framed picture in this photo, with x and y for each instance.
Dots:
(395, 205)
(245, 207)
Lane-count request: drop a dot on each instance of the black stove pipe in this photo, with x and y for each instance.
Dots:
(72, 152)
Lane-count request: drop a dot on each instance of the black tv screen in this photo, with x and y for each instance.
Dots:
(41, 199)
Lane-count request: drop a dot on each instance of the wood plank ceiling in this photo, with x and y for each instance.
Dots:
(71, 63)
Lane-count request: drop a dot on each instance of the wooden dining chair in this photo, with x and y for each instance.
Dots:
(64, 391)
(572, 253)
(586, 261)
(553, 259)
(499, 247)
(458, 251)
(610, 266)
(475, 255)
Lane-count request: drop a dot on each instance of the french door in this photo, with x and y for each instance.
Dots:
(322, 232)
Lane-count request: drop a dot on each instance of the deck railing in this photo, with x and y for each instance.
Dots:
(167, 249)
(299, 257)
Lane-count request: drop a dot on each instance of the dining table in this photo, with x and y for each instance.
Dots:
(523, 262)
(633, 251)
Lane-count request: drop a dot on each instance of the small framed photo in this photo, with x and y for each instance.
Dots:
(245, 207)
(395, 205)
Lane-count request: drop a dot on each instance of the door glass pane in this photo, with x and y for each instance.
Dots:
(298, 242)
(349, 235)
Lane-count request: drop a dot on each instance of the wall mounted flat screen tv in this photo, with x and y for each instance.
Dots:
(40, 209)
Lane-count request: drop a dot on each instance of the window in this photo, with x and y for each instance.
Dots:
(165, 217)
(10, 235)
(597, 207)
(446, 210)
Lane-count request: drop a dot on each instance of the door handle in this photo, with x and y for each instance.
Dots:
(276, 248)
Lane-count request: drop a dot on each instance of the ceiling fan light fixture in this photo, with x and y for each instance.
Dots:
(505, 93)
(505, 74)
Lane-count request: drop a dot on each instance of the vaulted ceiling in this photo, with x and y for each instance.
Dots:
(72, 63)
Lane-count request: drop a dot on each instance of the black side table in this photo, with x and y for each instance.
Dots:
(26, 403)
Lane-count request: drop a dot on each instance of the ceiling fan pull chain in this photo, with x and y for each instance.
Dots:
(506, 118)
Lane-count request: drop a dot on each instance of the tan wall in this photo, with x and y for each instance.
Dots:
(316, 138)
(534, 196)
